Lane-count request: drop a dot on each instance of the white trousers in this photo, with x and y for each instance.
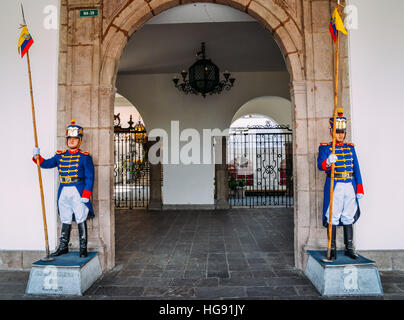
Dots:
(344, 204)
(69, 204)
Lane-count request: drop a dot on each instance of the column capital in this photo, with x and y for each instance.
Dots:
(298, 87)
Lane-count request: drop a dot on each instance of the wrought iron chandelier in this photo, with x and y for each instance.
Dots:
(204, 77)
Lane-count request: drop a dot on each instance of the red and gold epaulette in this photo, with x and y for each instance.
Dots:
(325, 143)
(350, 144)
(85, 152)
(60, 151)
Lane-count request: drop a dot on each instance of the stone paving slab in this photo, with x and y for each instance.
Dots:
(204, 254)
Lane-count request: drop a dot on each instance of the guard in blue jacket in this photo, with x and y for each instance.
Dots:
(348, 186)
(76, 173)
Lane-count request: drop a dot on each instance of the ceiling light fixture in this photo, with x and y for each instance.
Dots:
(204, 77)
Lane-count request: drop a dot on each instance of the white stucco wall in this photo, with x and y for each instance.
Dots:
(21, 226)
(377, 88)
(159, 103)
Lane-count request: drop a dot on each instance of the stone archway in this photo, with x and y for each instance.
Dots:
(90, 51)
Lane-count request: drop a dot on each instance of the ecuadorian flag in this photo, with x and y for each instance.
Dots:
(25, 41)
(336, 25)
(333, 29)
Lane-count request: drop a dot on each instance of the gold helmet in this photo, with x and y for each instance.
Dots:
(73, 130)
(340, 121)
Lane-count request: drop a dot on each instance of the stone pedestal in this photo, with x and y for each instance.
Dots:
(344, 276)
(68, 274)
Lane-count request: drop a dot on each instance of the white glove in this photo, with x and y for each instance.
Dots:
(84, 200)
(332, 158)
(359, 195)
(35, 151)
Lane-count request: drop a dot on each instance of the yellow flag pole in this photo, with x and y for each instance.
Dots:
(333, 151)
(333, 146)
(48, 257)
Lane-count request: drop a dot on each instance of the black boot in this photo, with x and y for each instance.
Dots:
(348, 240)
(64, 240)
(333, 243)
(83, 239)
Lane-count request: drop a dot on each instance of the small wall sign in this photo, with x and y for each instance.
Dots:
(89, 13)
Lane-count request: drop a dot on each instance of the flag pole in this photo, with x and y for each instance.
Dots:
(333, 151)
(48, 257)
(333, 145)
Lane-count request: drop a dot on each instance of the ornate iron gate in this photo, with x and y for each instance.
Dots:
(131, 167)
(260, 167)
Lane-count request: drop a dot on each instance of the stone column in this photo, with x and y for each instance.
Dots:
(302, 169)
(317, 94)
(221, 176)
(81, 97)
(312, 100)
(155, 203)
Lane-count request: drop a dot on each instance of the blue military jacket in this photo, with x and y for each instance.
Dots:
(73, 166)
(347, 164)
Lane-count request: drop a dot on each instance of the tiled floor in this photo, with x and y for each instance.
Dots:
(206, 254)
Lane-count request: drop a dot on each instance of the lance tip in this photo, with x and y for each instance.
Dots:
(23, 16)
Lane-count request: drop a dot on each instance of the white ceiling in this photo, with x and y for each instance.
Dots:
(168, 43)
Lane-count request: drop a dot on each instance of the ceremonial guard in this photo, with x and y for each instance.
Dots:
(76, 172)
(347, 185)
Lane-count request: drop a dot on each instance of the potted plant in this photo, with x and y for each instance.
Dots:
(237, 186)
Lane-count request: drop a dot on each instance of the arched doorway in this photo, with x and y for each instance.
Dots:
(96, 83)
(260, 153)
(260, 163)
(131, 165)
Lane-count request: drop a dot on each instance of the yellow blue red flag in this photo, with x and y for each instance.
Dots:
(25, 41)
(336, 25)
